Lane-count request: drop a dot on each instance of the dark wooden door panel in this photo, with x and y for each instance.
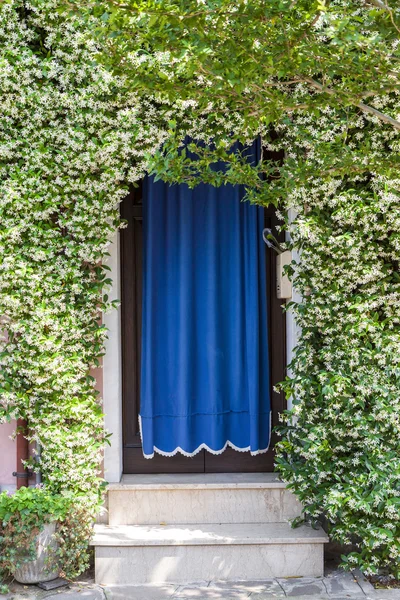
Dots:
(232, 461)
(135, 462)
(131, 312)
(131, 315)
(276, 330)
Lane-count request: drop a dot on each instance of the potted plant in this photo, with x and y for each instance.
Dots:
(29, 540)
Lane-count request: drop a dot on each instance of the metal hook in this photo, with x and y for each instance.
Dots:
(271, 241)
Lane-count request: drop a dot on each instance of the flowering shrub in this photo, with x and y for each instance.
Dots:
(75, 134)
(69, 146)
(340, 451)
(61, 168)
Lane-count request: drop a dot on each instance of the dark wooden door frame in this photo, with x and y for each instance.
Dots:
(131, 290)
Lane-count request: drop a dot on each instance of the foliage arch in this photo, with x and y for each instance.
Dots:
(75, 134)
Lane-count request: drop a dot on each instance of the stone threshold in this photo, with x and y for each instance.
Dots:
(168, 481)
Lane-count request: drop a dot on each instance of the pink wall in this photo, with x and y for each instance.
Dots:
(7, 456)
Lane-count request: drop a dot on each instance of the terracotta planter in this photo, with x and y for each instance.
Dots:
(40, 569)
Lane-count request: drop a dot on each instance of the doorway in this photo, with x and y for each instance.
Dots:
(131, 313)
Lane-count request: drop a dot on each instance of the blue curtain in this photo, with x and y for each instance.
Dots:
(205, 367)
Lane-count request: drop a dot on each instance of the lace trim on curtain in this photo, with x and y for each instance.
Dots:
(204, 446)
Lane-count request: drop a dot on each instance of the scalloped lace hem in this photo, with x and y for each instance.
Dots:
(180, 450)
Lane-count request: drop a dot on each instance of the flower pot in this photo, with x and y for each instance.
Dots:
(44, 567)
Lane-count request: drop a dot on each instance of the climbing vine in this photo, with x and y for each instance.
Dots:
(340, 450)
(75, 133)
(73, 138)
(63, 161)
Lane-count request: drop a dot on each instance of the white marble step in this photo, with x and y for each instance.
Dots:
(198, 481)
(204, 498)
(182, 553)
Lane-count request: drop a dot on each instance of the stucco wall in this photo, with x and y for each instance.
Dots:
(7, 456)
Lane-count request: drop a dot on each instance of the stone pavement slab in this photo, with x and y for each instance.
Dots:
(139, 592)
(74, 594)
(323, 597)
(268, 587)
(344, 584)
(337, 585)
(303, 586)
(363, 582)
(208, 593)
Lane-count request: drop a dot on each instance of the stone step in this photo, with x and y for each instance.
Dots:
(201, 498)
(149, 554)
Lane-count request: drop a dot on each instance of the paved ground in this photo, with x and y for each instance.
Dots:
(336, 585)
